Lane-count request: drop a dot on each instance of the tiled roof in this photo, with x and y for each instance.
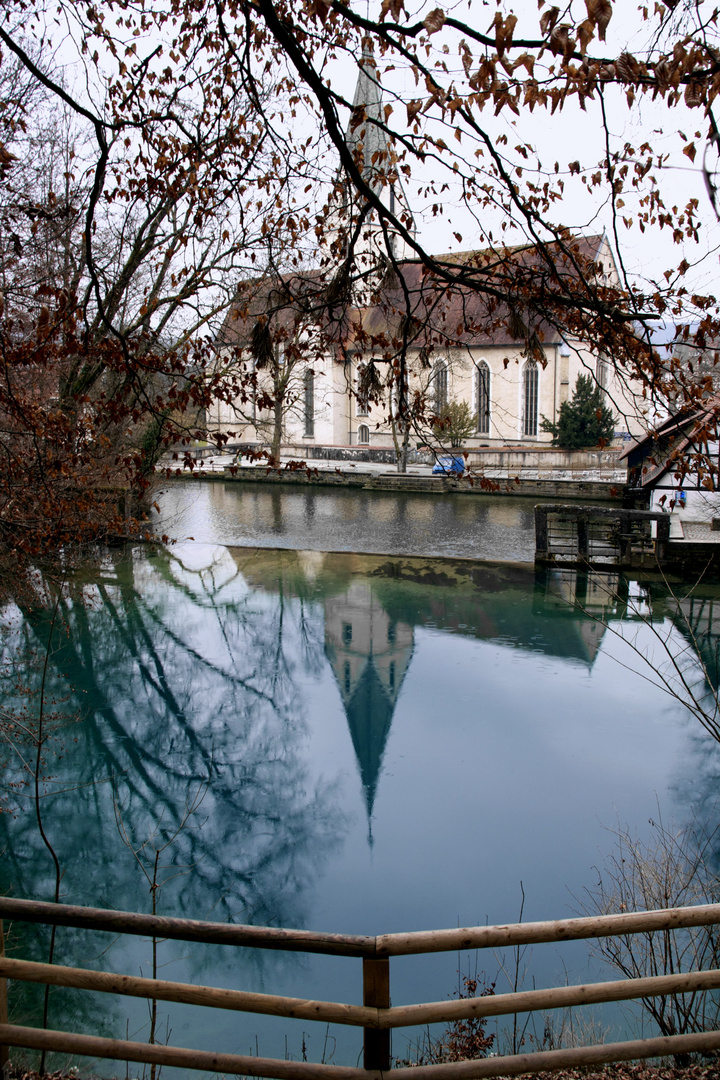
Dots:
(662, 449)
(432, 311)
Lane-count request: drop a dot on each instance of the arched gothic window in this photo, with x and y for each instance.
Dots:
(482, 399)
(531, 379)
(309, 404)
(440, 381)
(361, 402)
(602, 372)
(363, 434)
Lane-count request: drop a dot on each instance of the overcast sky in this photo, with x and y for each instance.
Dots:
(576, 135)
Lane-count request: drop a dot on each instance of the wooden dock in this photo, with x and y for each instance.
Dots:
(600, 536)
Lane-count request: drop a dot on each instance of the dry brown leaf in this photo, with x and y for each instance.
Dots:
(434, 21)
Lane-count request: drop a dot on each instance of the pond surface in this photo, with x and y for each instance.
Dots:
(340, 742)
(497, 527)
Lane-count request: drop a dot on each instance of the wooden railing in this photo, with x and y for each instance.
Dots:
(375, 1015)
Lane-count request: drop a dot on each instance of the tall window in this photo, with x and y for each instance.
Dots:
(363, 434)
(361, 406)
(602, 372)
(309, 404)
(531, 379)
(440, 380)
(483, 398)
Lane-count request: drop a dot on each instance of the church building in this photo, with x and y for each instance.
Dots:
(321, 353)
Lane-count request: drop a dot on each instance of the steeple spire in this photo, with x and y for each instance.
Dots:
(364, 128)
(368, 142)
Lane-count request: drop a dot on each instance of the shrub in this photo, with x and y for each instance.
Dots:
(455, 423)
(463, 1040)
(674, 869)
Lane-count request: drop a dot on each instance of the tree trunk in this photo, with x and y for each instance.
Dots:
(405, 447)
(277, 432)
(400, 450)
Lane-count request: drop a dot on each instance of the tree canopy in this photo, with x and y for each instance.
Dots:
(152, 158)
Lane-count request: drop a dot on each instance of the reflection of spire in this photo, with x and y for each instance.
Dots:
(369, 715)
(369, 654)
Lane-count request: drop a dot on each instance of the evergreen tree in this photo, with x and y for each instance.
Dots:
(584, 421)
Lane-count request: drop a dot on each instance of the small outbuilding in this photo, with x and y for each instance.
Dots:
(676, 466)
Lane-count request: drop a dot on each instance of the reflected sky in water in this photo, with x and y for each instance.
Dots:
(498, 527)
(378, 743)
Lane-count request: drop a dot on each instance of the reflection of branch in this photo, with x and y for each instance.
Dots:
(203, 660)
(38, 815)
(708, 718)
(270, 826)
(153, 876)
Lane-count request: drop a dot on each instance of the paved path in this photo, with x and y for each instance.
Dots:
(218, 462)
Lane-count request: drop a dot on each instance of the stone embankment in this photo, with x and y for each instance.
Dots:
(547, 473)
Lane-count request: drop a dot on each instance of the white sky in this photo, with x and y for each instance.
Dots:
(568, 136)
(571, 135)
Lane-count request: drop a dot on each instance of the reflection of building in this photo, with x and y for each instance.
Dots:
(369, 653)
(591, 599)
(697, 617)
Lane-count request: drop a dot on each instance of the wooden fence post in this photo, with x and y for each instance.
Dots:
(376, 994)
(582, 537)
(541, 532)
(4, 1050)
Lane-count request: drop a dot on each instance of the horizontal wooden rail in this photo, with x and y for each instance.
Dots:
(154, 1054)
(360, 1015)
(488, 937)
(576, 1057)
(129, 922)
(236, 1064)
(562, 997)
(406, 944)
(330, 1012)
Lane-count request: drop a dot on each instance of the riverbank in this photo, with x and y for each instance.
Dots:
(377, 477)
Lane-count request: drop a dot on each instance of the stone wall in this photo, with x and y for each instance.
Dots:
(507, 459)
(391, 481)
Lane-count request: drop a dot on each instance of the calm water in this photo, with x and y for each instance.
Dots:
(338, 742)
(265, 515)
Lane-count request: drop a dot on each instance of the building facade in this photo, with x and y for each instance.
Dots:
(336, 371)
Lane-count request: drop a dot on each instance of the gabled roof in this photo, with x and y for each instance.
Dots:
(435, 312)
(663, 448)
(459, 314)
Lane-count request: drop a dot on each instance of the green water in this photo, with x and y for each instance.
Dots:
(367, 744)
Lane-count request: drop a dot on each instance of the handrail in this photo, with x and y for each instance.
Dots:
(360, 1015)
(537, 933)
(236, 1064)
(211, 933)
(382, 945)
(330, 1012)
(375, 1016)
